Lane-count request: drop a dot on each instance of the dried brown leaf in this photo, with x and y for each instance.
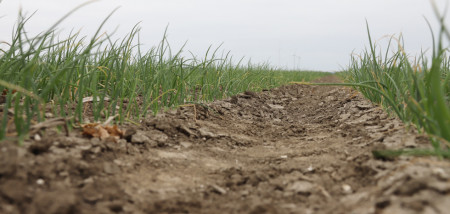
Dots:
(101, 131)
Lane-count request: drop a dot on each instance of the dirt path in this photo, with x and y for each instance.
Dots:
(295, 149)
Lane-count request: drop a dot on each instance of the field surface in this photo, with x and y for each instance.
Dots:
(293, 149)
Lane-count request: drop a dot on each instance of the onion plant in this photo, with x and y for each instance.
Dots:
(417, 90)
(43, 73)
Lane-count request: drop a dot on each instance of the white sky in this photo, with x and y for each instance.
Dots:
(313, 34)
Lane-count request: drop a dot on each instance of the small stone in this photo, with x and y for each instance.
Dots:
(440, 173)
(245, 192)
(56, 150)
(283, 156)
(329, 98)
(37, 137)
(85, 147)
(185, 144)
(275, 106)
(347, 189)
(111, 168)
(64, 174)
(310, 168)
(119, 162)
(49, 115)
(219, 189)
(140, 138)
(96, 150)
(158, 136)
(206, 133)
(40, 182)
(301, 187)
(88, 180)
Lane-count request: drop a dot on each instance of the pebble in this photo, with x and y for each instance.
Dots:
(96, 150)
(111, 168)
(275, 106)
(88, 180)
(347, 189)
(245, 192)
(206, 133)
(158, 136)
(219, 189)
(185, 144)
(440, 173)
(302, 187)
(40, 182)
(139, 138)
(49, 115)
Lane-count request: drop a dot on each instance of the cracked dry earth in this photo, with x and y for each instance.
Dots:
(294, 149)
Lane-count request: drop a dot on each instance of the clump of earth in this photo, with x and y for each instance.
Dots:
(293, 149)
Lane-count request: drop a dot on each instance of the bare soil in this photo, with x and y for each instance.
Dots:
(293, 149)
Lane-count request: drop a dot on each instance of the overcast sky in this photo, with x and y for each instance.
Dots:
(305, 34)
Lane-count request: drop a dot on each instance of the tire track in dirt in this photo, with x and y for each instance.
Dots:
(294, 149)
